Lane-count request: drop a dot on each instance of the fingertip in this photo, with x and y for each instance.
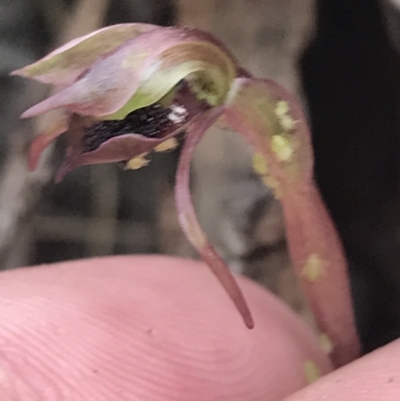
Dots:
(156, 328)
(374, 377)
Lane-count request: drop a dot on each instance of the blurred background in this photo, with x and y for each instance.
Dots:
(341, 58)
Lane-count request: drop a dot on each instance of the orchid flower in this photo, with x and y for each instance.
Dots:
(126, 90)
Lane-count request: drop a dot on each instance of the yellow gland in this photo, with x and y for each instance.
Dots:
(169, 144)
(260, 164)
(287, 123)
(261, 168)
(325, 343)
(204, 89)
(313, 268)
(285, 120)
(282, 148)
(137, 162)
(282, 108)
(311, 371)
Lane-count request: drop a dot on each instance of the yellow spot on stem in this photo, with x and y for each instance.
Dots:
(260, 164)
(313, 268)
(287, 123)
(282, 148)
(325, 343)
(137, 162)
(311, 371)
(169, 144)
(285, 120)
(281, 108)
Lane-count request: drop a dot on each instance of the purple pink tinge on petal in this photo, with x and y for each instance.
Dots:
(44, 139)
(65, 64)
(114, 150)
(111, 81)
(81, 98)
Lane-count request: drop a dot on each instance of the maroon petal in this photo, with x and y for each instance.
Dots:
(140, 132)
(117, 149)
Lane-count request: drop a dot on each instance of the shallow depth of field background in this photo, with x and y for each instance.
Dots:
(340, 57)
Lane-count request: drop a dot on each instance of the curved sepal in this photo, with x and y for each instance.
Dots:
(145, 69)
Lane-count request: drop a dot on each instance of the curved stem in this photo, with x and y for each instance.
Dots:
(319, 263)
(190, 225)
(314, 245)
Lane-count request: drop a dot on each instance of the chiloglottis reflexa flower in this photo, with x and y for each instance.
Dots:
(124, 90)
(128, 89)
(128, 79)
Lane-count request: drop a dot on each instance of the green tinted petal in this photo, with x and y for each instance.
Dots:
(64, 65)
(142, 71)
(208, 68)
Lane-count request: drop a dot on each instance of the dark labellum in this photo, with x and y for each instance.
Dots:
(153, 121)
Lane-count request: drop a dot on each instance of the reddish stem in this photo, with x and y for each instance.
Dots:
(190, 225)
(314, 244)
(311, 234)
